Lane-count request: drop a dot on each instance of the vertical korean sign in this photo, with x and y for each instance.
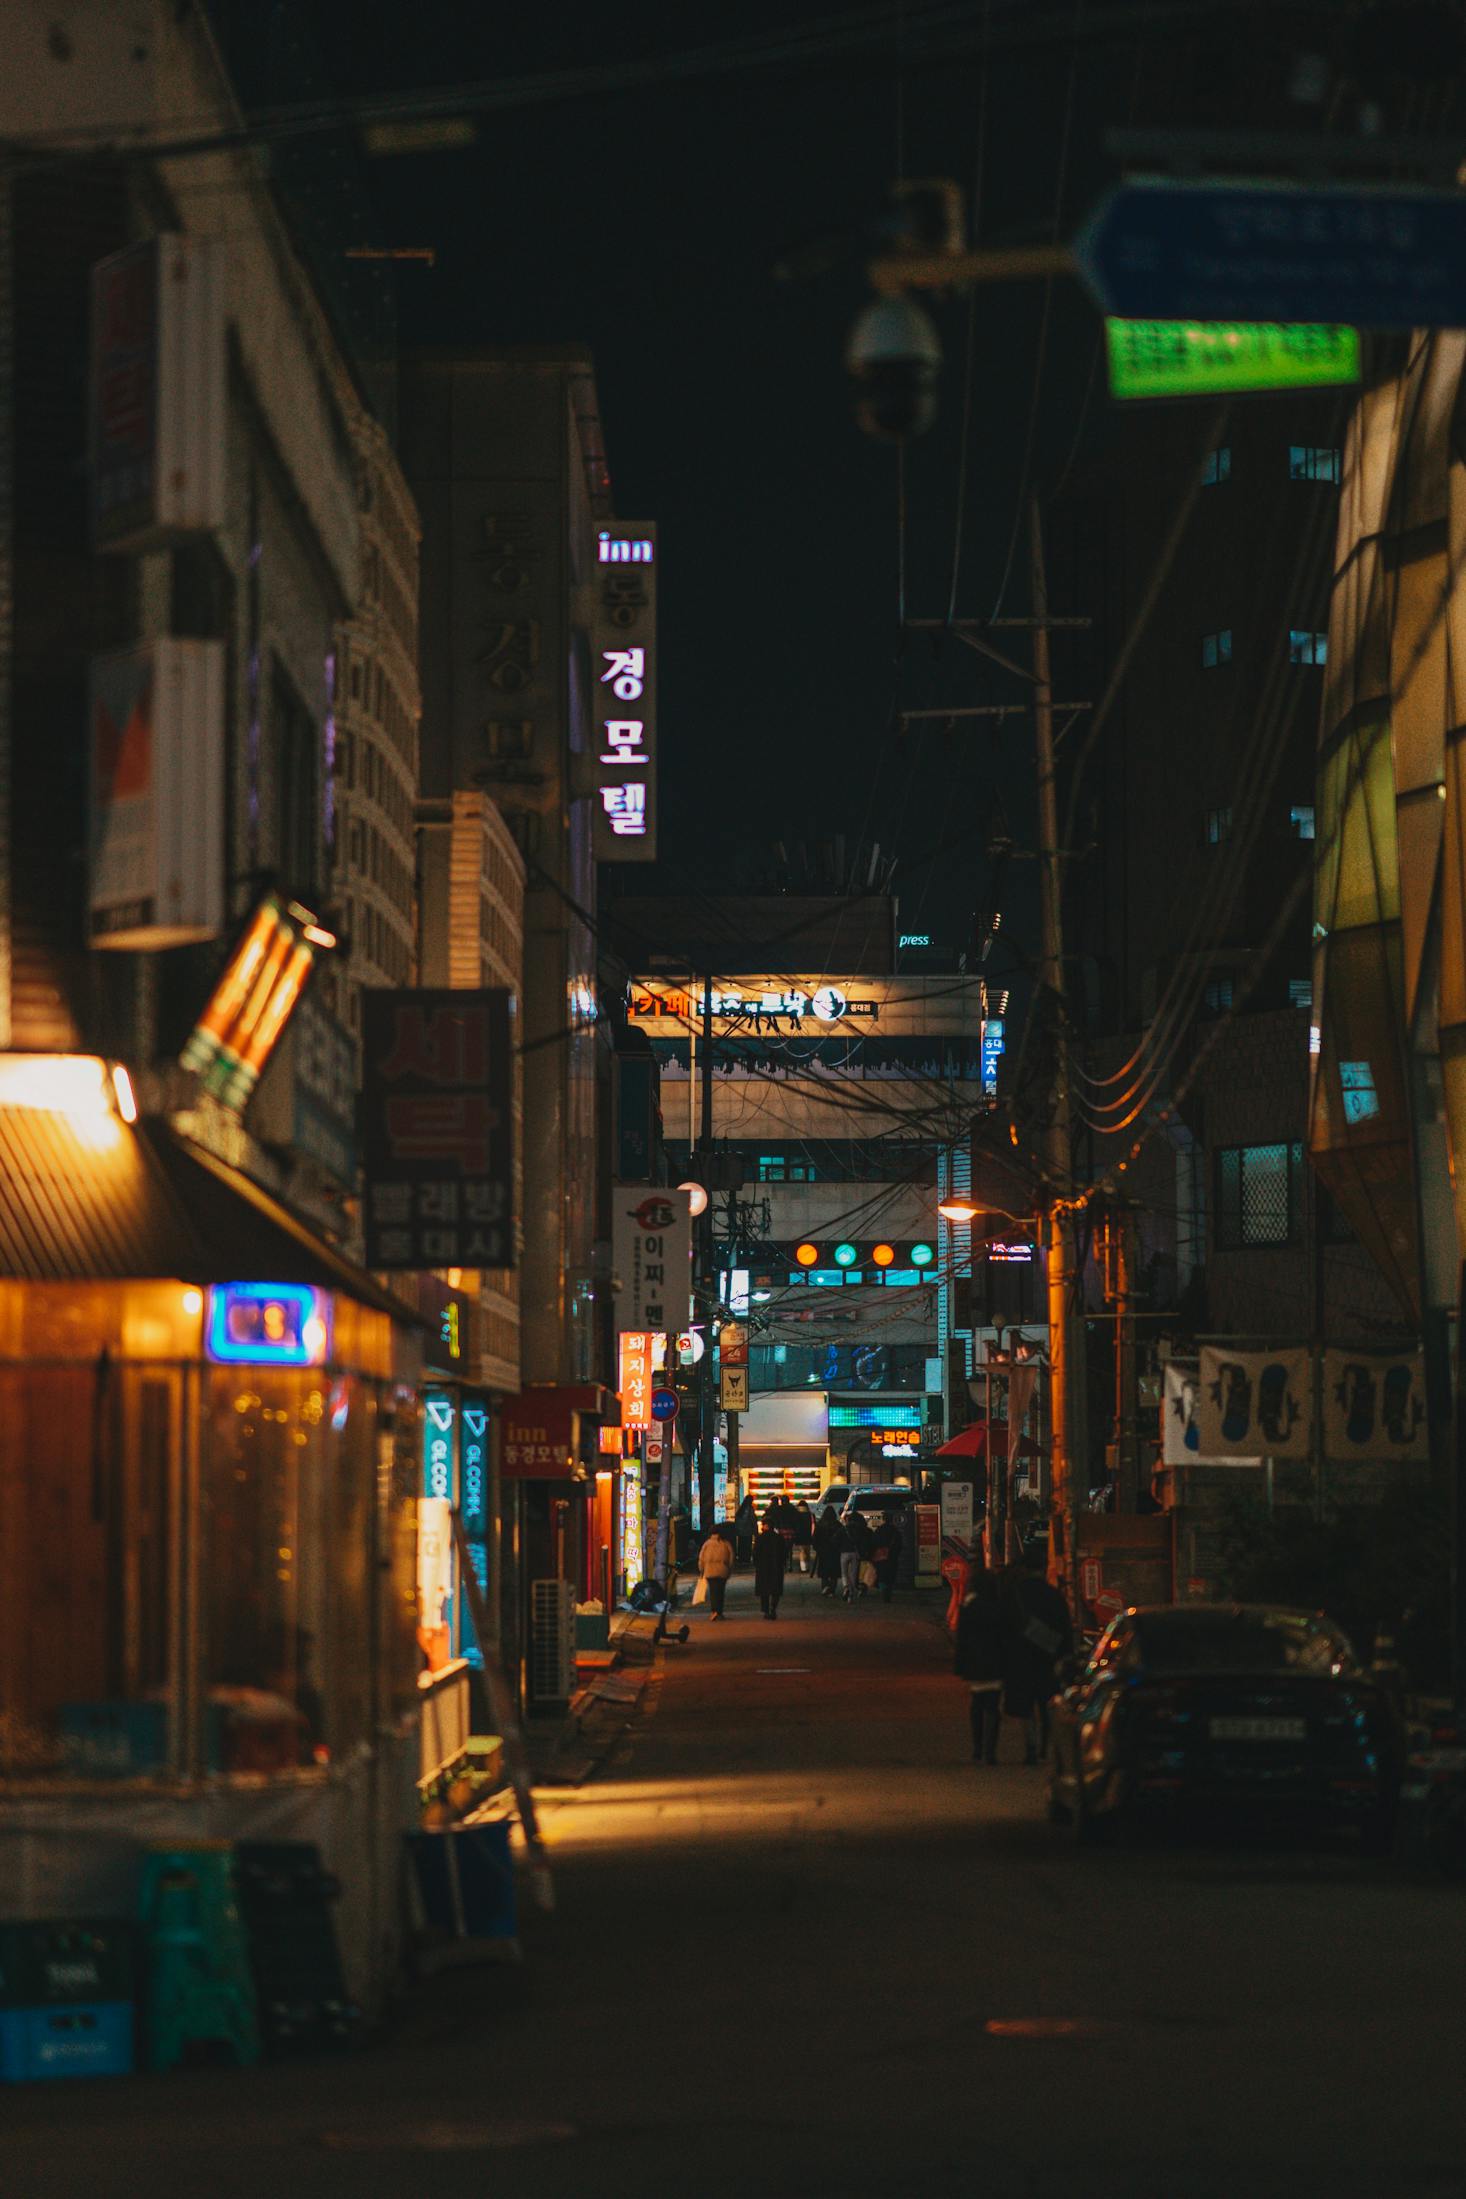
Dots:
(624, 651)
(437, 1129)
(640, 1350)
(651, 1249)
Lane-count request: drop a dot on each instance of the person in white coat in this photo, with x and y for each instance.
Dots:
(715, 1563)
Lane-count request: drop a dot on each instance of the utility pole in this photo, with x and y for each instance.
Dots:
(1066, 1321)
(706, 1293)
(1120, 1246)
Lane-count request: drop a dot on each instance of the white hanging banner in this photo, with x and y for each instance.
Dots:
(1180, 1431)
(1374, 1405)
(1253, 1403)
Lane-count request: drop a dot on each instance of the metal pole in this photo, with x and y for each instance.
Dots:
(1127, 1445)
(707, 1275)
(1066, 1329)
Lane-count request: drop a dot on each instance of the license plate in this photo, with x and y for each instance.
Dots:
(1259, 1729)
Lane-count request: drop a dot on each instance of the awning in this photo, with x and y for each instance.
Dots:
(139, 1203)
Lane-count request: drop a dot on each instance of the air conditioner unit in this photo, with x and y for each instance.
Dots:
(551, 1642)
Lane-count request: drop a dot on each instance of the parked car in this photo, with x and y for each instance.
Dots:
(1225, 1705)
(874, 1499)
(833, 1497)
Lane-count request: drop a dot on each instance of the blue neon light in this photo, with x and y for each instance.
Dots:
(267, 1325)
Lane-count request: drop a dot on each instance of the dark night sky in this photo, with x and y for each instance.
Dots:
(649, 223)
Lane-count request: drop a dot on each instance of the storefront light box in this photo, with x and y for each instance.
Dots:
(267, 1325)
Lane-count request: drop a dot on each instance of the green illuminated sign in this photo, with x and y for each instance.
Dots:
(1211, 358)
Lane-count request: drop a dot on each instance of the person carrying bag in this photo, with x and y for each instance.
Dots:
(714, 1564)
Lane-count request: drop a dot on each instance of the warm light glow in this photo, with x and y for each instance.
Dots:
(318, 937)
(883, 1255)
(807, 1255)
(74, 1085)
(193, 1302)
(123, 1093)
(958, 1210)
(697, 1198)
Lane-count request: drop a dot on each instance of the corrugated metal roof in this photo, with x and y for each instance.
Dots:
(148, 1204)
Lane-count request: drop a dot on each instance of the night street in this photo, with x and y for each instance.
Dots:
(794, 1928)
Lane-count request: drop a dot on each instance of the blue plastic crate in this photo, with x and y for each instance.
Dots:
(80, 2039)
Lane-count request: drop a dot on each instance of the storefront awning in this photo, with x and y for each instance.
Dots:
(108, 1202)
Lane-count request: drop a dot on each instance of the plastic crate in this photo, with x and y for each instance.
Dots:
(62, 1961)
(80, 2039)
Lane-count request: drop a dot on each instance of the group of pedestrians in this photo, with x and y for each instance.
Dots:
(847, 1548)
(846, 1551)
(1012, 1630)
(768, 1549)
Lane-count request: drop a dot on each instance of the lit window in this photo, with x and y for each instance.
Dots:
(771, 1168)
(1307, 648)
(1218, 826)
(1300, 992)
(1258, 1195)
(1218, 994)
(1216, 649)
(1313, 462)
(1216, 466)
(1361, 1100)
(1300, 817)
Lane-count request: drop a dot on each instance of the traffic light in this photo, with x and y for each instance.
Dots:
(840, 1262)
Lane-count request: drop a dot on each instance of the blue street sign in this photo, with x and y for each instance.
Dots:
(1374, 258)
(664, 1404)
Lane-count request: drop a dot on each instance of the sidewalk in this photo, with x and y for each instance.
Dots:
(600, 1711)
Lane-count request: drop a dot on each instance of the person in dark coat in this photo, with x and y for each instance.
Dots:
(854, 1555)
(827, 1550)
(769, 1558)
(803, 1533)
(981, 1660)
(1038, 1633)
(885, 1554)
(745, 1527)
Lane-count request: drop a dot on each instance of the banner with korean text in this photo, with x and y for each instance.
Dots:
(437, 1128)
(640, 1350)
(651, 1251)
(625, 692)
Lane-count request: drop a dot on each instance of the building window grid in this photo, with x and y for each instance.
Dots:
(1315, 462)
(1218, 825)
(1302, 819)
(1259, 1196)
(1216, 649)
(1217, 466)
(1306, 646)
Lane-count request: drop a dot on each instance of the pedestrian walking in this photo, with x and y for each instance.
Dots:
(715, 1563)
(804, 1534)
(827, 1550)
(1038, 1632)
(980, 1660)
(861, 1537)
(769, 1558)
(745, 1527)
(886, 1554)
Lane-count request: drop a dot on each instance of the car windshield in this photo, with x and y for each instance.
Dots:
(878, 1500)
(1242, 1641)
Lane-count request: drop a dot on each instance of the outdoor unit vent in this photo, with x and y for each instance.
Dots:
(551, 1642)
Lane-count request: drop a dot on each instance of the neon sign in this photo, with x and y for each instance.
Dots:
(625, 647)
(439, 1414)
(267, 1325)
(623, 550)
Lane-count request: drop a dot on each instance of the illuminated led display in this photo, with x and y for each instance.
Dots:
(846, 1255)
(1205, 358)
(922, 1255)
(883, 1255)
(267, 1325)
(439, 1414)
(807, 1255)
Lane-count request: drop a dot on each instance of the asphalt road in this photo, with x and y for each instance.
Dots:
(802, 1945)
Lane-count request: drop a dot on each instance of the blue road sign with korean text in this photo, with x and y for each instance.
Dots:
(1218, 251)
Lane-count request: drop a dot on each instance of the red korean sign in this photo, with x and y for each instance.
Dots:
(640, 1349)
(437, 1129)
(540, 1434)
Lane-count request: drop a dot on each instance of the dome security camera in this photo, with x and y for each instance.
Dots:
(893, 358)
